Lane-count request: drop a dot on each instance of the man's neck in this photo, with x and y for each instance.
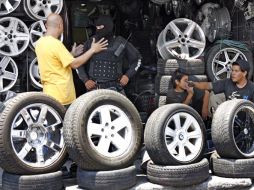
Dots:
(52, 33)
(178, 89)
(242, 83)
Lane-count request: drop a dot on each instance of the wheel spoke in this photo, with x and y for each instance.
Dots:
(27, 118)
(95, 129)
(177, 122)
(170, 132)
(4, 62)
(36, 33)
(10, 76)
(226, 56)
(185, 51)
(187, 123)
(1, 84)
(191, 147)
(194, 134)
(43, 113)
(13, 25)
(239, 137)
(174, 29)
(42, 25)
(19, 134)
(196, 44)
(14, 48)
(47, 12)
(120, 123)
(53, 146)
(55, 126)
(21, 36)
(221, 71)
(172, 44)
(220, 62)
(105, 115)
(39, 154)
(172, 146)
(24, 151)
(36, 9)
(190, 28)
(236, 56)
(8, 6)
(182, 153)
(103, 146)
(118, 141)
(55, 2)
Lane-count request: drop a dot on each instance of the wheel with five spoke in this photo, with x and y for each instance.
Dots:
(233, 129)
(14, 36)
(102, 130)
(31, 138)
(175, 134)
(8, 73)
(182, 38)
(8, 6)
(220, 58)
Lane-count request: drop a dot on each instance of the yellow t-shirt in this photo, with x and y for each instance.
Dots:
(55, 71)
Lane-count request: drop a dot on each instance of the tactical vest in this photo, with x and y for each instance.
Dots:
(105, 66)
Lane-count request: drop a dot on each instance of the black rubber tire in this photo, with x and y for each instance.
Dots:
(239, 168)
(214, 50)
(75, 133)
(183, 175)
(49, 181)
(163, 83)
(161, 100)
(9, 161)
(222, 128)
(189, 67)
(111, 180)
(155, 129)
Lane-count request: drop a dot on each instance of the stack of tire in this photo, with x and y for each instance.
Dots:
(32, 148)
(232, 134)
(175, 139)
(102, 132)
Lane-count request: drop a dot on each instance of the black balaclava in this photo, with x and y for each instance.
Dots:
(107, 31)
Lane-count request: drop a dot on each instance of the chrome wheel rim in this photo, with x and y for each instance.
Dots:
(8, 6)
(8, 73)
(183, 137)
(222, 62)
(243, 130)
(37, 30)
(41, 9)
(182, 38)
(37, 135)
(14, 36)
(109, 131)
(34, 74)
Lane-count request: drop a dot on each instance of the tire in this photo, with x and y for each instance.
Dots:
(86, 112)
(214, 52)
(163, 83)
(184, 175)
(230, 131)
(189, 67)
(240, 168)
(33, 145)
(160, 2)
(161, 100)
(157, 142)
(49, 181)
(111, 180)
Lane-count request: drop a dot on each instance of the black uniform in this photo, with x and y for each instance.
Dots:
(106, 67)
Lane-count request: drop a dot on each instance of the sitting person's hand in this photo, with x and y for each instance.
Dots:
(90, 85)
(99, 46)
(190, 90)
(124, 80)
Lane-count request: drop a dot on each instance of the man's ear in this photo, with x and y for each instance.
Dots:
(245, 73)
(177, 82)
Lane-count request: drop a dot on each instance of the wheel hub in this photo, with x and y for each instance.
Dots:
(182, 137)
(246, 131)
(108, 131)
(36, 135)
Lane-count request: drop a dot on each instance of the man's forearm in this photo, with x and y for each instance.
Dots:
(82, 59)
(203, 85)
(206, 100)
(188, 99)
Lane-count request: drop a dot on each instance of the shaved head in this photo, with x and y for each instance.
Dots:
(54, 20)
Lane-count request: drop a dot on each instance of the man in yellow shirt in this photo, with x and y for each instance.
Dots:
(56, 62)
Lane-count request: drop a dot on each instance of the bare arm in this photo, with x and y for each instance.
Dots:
(201, 85)
(205, 105)
(188, 99)
(95, 48)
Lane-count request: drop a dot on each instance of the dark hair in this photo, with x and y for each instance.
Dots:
(177, 75)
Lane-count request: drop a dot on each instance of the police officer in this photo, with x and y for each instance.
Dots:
(105, 69)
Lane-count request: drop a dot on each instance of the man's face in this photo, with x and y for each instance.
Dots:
(237, 75)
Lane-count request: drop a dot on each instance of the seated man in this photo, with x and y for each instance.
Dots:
(105, 70)
(237, 87)
(182, 93)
